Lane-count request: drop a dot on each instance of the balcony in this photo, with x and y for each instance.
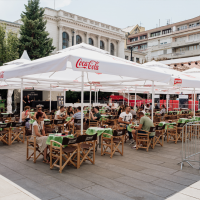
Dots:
(168, 56)
(185, 43)
(161, 47)
(137, 42)
(186, 53)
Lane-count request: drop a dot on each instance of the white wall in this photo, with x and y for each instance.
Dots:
(54, 94)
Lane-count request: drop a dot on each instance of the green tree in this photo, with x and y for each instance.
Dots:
(8, 45)
(33, 35)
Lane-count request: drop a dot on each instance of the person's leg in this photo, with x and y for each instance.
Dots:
(134, 134)
(129, 133)
(45, 153)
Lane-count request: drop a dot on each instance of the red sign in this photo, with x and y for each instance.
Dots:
(177, 81)
(87, 65)
(93, 82)
(2, 74)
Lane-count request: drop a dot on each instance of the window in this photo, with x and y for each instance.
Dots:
(143, 46)
(182, 27)
(143, 37)
(90, 41)
(134, 39)
(155, 34)
(65, 40)
(102, 45)
(137, 60)
(126, 57)
(78, 39)
(135, 48)
(166, 31)
(112, 49)
(165, 51)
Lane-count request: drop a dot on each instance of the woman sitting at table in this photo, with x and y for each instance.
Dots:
(26, 116)
(39, 109)
(70, 111)
(39, 131)
(163, 110)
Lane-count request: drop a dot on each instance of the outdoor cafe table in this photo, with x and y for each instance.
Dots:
(85, 111)
(68, 118)
(104, 117)
(58, 138)
(102, 110)
(129, 127)
(166, 124)
(32, 114)
(185, 120)
(177, 112)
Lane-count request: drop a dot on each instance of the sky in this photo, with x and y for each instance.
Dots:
(119, 13)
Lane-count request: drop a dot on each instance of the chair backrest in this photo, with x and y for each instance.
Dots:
(68, 141)
(78, 121)
(111, 117)
(17, 124)
(59, 121)
(87, 138)
(5, 115)
(119, 132)
(170, 113)
(11, 115)
(159, 128)
(5, 125)
(180, 125)
(152, 129)
(16, 115)
(48, 122)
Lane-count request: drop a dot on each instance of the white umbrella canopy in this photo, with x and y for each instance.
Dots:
(177, 78)
(82, 59)
(24, 59)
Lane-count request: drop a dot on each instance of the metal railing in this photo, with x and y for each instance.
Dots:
(190, 151)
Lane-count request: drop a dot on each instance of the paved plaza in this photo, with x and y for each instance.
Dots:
(137, 175)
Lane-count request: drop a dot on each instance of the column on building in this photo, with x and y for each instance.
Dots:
(59, 37)
(121, 48)
(108, 45)
(86, 38)
(98, 41)
(74, 34)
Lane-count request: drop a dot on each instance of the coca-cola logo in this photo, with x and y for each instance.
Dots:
(177, 81)
(87, 65)
(2, 74)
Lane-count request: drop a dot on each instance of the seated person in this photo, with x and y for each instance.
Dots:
(163, 111)
(39, 109)
(108, 107)
(39, 131)
(126, 118)
(145, 125)
(96, 115)
(60, 114)
(77, 115)
(133, 112)
(70, 111)
(26, 116)
(113, 106)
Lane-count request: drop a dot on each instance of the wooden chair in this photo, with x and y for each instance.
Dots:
(19, 129)
(32, 145)
(87, 147)
(143, 140)
(59, 123)
(93, 123)
(112, 142)
(159, 135)
(49, 127)
(69, 154)
(5, 133)
(174, 132)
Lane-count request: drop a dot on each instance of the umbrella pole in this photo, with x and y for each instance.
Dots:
(123, 97)
(90, 99)
(167, 99)
(64, 97)
(95, 95)
(152, 100)
(50, 99)
(135, 97)
(128, 97)
(21, 102)
(82, 77)
(194, 102)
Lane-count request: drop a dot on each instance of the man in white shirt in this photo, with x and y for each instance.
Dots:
(126, 118)
(60, 114)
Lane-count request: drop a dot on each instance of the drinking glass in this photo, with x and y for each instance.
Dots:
(56, 129)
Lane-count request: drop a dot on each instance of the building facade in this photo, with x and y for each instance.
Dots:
(178, 40)
(68, 29)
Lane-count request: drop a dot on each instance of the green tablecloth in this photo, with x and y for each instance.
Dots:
(32, 114)
(147, 113)
(104, 117)
(183, 120)
(85, 111)
(177, 112)
(68, 118)
(57, 139)
(99, 131)
(197, 118)
(129, 127)
(102, 110)
(166, 124)
(5, 113)
(46, 120)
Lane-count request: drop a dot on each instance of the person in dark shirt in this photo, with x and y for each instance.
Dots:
(29, 100)
(70, 111)
(97, 115)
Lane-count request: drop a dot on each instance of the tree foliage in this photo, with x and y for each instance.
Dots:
(8, 45)
(33, 35)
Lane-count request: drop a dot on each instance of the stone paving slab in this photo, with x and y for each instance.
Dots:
(138, 175)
